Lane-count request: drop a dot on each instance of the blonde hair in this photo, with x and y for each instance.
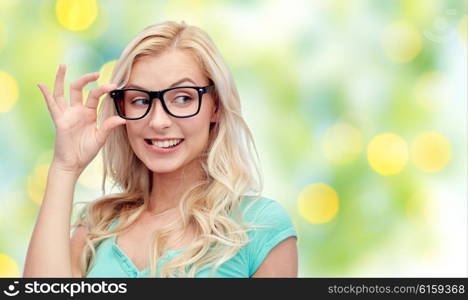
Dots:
(229, 165)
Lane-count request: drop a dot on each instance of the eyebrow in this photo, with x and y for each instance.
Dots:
(185, 79)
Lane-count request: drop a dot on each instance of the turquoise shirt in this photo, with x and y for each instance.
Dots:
(111, 261)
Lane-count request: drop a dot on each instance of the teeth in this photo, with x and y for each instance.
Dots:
(165, 144)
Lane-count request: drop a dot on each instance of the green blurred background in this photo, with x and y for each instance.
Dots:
(358, 109)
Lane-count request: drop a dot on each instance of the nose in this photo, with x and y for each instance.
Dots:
(158, 118)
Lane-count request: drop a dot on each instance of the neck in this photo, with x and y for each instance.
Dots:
(168, 188)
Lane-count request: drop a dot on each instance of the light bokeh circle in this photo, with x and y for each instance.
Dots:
(401, 42)
(8, 266)
(76, 15)
(387, 154)
(318, 203)
(9, 91)
(430, 151)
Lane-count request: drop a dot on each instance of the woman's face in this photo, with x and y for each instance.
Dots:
(155, 73)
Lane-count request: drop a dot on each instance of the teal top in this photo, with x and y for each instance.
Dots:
(111, 261)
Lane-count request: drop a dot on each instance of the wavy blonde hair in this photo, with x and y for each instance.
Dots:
(230, 168)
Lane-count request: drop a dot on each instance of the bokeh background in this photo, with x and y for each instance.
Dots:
(358, 108)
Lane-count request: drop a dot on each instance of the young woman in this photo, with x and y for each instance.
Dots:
(175, 143)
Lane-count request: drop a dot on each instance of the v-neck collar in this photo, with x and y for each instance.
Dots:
(127, 264)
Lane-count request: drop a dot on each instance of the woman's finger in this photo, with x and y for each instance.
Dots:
(76, 88)
(94, 95)
(51, 104)
(107, 126)
(58, 86)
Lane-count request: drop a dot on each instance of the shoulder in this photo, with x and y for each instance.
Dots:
(272, 225)
(78, 243)
(264, 211)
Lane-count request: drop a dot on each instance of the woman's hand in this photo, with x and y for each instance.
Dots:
(78, 140)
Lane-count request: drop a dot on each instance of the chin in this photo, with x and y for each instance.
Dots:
(163, 167)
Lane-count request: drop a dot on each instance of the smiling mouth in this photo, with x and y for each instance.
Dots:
(164, 144)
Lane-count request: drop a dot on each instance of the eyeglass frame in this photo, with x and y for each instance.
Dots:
(160, 95)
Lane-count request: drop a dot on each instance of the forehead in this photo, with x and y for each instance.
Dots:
(159, 72)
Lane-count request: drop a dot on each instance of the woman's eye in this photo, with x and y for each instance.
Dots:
(141, 101)
(182, 99)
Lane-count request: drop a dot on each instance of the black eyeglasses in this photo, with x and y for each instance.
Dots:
(179, 102)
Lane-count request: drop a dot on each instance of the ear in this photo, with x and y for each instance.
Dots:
(215, 114)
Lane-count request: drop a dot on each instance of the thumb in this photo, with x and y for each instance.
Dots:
(107, 126)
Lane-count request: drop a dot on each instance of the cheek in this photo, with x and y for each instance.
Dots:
(197, 133)
(132, 134)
